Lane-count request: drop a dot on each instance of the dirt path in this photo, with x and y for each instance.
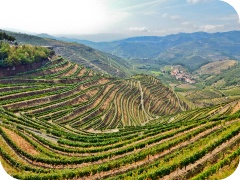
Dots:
(142, 104)
(45, 136)
(178, 100)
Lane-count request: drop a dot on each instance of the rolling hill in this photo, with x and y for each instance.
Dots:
(82, 98)
(228, 77)
(217, 67)
(81, 54)
(60, 120)
(191, 50)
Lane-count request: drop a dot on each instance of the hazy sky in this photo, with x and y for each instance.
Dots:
(127, 17)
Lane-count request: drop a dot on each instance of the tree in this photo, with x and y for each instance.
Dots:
(4, 36)
(25, 54)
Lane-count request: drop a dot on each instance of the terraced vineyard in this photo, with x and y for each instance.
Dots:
(70, 95)
(63, 121)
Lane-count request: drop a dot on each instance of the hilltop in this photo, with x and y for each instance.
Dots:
(89, 99)
(81, 54)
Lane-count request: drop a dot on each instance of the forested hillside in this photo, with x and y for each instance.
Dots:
(4, 36)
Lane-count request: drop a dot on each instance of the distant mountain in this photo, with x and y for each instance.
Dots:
(45, 35)
(96, 37)
(190, 50)
(79, 53)
(75, 40)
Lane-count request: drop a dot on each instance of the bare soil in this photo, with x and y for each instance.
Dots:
(236, 108)
(20, 142)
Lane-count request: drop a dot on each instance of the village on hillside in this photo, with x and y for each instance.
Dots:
(181, 75)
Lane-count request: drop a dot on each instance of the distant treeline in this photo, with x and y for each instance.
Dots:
(11, 55)
(4, 36)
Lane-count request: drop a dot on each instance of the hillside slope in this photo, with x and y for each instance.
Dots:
(69, 94)
(62, 121)
(229, 77)
(37, 142)
(191, 50)
(81, 54)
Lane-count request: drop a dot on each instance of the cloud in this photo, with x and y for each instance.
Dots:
(196, 1)
(138, 29)
(151, 13)
(160, 31)
(209, 27)
(165, 15)
(172, 17)
(176, 17)
(227, 18)
(143, 5)
(186, 23)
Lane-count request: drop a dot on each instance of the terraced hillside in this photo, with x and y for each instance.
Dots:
(68, 94)
(35, 149)
(63, 121)
(88, 57)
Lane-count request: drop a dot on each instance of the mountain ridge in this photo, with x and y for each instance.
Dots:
(191, 50)
(79, 53)
(171, 49)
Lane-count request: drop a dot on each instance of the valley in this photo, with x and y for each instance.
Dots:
(80, 113)
(202, 62)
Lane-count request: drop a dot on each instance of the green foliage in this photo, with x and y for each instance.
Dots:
(59, 108)
(86, 56)
(191, 50)
(4, 36)
(231, 77)
(25, 54)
